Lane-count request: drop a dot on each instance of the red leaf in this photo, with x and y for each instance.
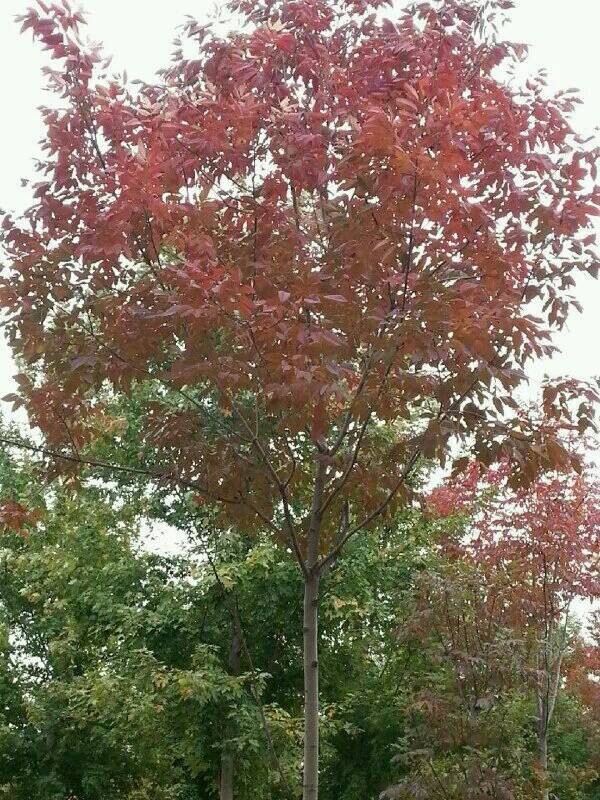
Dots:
(286, 42)
(319, 422)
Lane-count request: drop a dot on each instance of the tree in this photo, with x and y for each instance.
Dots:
(114, 663)
(115, 678)
(471, 728)
(468, 726)
(319, 237)
(538, 550)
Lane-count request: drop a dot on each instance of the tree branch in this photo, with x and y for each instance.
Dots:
(334, 554)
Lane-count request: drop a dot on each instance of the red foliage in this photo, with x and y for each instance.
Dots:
(582, 675)
(342, 218)
(16, 517)
(541, 543)
(457, 496)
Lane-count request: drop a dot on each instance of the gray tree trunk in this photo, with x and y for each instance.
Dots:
(227, 776)
(312, 577)
(543, 754)
(227, 782)
(548, 695)
(311, 689)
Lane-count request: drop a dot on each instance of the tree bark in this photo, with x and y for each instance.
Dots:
(548, 695)
(227, 780)
(310, 789)
(543, 756)
(312, 577)
(227, 775)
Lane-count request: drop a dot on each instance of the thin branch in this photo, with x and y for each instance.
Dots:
(411, 241)
(337, 489)
(334, 554)
(116, 354)
(281, 488)
(77, 459)
(342, 532)
(314, 529)
(351, 464)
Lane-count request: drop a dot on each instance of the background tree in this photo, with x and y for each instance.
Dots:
(115, 660)
(536, 552)
(116, 675)
(319, 237)
(471, 723)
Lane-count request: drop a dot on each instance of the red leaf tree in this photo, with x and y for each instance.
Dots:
(537, 551)
(320, 237)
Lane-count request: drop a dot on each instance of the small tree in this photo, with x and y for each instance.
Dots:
(319, 236)
(538, 551)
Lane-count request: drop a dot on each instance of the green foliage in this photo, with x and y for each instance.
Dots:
(113, 669)
(115, 680)
(574, 748)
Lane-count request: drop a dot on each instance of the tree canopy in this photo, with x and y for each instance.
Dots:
(316, 255)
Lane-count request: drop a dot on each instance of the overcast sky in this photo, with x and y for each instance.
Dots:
(563, 36)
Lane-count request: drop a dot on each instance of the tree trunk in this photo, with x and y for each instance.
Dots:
(543, 754)
(548, 696)
(227, 758)
(310, 787)
(312, 578)
(227, 773)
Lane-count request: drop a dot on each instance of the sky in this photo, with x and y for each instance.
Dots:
(563, 38)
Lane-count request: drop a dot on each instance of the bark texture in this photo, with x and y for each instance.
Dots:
(311, 690)
(310, 784)
(227, 780)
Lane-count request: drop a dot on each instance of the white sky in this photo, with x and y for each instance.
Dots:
(138, 33)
